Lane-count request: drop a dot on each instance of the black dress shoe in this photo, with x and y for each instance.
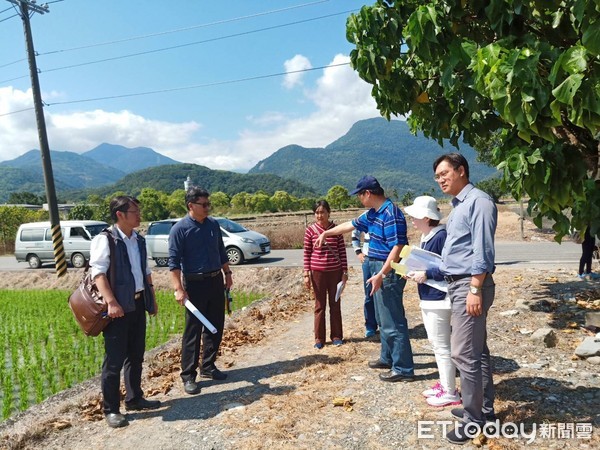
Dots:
(116, 420)
(463, 433)
(460, 412)
(379, 364)
(142, 403)
(191, 387)
(395, 376)
(214, 374)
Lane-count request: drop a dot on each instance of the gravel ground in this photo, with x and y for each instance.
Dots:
(280, 389)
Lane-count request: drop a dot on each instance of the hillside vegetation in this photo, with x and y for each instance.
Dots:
(400, 160)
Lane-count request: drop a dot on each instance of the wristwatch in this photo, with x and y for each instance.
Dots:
(474, 290)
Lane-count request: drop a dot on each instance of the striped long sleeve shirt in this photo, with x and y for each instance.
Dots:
(330, 256)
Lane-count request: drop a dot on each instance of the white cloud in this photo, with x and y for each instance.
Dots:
(339, 99)
(83, 130)
(292, 66)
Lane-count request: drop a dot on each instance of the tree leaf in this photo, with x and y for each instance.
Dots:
(591, 38)
(575, 60)
(565, 91)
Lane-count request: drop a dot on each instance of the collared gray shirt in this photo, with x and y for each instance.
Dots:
(471, 227)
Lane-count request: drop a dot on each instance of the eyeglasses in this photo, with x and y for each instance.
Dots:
(133, 211)
(441, 175)
(204, 205)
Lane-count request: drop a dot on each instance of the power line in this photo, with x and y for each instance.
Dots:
(144, 36)
(17, 111)
(130, 55)
(177, 30)
(9, 17)
(183, 88)
(197, 86)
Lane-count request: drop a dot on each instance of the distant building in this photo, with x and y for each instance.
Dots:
(32, 207)
(63, 209)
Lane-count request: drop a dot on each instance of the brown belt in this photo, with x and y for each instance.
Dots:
(138, 295)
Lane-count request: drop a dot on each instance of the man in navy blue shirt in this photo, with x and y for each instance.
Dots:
(197, 261)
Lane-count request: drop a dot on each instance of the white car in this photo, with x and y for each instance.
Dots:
(33, 242)
(241, 244)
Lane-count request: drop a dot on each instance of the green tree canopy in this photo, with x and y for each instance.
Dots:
(153, 204)
(176, 203)
(338, 197)
(259, 202)
(220, 200)
(81, 212)
(10, 219)
(522, 74)
(26, 198)
(239, 201)
(282, 201)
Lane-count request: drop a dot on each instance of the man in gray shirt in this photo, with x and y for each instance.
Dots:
(467, 265)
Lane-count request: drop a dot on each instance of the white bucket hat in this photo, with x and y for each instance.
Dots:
(424, 206)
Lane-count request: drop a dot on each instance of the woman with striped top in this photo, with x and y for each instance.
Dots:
(324, 268)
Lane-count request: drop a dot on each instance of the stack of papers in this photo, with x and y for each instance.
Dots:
(415, 258)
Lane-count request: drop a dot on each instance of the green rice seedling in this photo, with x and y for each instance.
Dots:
(45, 351)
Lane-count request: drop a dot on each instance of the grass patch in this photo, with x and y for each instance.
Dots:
(45, 352)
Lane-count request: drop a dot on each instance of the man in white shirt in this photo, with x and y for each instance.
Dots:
(129, 295)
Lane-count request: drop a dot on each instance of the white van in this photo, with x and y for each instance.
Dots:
(34, 241)
(240, 243)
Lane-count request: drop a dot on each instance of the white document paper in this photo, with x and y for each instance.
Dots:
(415, 258)
(340, 288)
(200, 316)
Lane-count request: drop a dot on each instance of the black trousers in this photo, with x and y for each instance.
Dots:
(587, 252)
(208, 296)
(124, 345)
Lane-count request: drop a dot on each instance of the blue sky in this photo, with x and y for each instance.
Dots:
(226, 121)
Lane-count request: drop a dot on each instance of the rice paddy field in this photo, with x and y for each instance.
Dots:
(43, 351)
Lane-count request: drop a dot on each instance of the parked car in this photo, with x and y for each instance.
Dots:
(241, 244)
(33, 242)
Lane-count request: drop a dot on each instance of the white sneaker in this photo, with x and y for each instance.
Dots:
(444, 398)
(433, 390)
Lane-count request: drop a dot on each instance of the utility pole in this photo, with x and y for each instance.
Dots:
(57, 240)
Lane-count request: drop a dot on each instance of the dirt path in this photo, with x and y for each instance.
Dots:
(280, 390)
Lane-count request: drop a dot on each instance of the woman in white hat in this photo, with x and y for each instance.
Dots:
(435, 304)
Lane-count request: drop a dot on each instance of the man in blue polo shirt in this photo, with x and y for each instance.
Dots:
(197, 261)
(386, 226)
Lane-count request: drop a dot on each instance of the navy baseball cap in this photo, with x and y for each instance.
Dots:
(366, 183)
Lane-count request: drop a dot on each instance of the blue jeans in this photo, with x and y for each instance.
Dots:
(393, 327)
(370, 319)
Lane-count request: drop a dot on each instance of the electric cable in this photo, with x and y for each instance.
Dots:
(177, 30)
(182, 88)
(188, 44)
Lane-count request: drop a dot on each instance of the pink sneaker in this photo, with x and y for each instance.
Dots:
(433, 390)
(443, 398)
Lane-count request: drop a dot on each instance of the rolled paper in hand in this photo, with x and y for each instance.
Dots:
(200, 316)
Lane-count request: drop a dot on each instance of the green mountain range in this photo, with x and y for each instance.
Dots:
(400, 160)
(387, 150)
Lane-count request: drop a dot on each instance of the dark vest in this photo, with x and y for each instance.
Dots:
(123, 286)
